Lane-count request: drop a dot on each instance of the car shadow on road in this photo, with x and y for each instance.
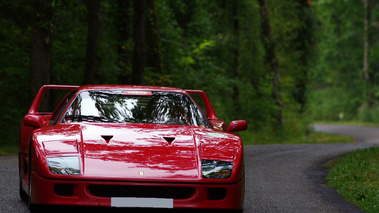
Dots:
(75, 209)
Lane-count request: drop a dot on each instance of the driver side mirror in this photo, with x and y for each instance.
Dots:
(218, 125)
(236, 126)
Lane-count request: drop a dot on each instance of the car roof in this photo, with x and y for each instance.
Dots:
(130, 87)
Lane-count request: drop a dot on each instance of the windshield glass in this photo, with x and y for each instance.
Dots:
(135, 107)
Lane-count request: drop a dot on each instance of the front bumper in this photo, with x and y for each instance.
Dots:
(136, 194)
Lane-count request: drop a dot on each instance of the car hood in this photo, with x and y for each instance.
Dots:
(139, 151)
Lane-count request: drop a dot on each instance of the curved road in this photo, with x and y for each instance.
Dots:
(279, 178)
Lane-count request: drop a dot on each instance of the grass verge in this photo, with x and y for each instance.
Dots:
(348, 123)
(254, 138)
(356, 178)
(8, 149)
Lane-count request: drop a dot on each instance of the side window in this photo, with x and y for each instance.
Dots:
(200, 103)
(62, 106)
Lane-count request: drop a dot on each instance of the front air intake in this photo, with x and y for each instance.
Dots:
(141, 191)
(64, 189)
(217, 193)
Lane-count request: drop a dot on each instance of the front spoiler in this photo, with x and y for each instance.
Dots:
(43, 193)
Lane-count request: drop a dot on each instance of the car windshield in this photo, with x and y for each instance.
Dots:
(135, 107)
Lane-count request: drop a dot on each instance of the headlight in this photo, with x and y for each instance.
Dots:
(64, 165)
(216, 169)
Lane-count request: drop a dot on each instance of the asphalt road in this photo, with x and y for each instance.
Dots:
(279, 178)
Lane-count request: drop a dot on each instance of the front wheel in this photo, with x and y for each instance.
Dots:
(32, 207)
(30, 204)
(24, 197)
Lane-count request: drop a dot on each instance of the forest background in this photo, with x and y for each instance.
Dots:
(278, 64)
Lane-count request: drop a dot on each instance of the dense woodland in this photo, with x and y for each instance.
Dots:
(277, 64)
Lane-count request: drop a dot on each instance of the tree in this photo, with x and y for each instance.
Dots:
(235, 55)
(124, 34)
(251, 57)
(366, 50)
(367, 13)
(93, 8)
(302, 42)
(40, 48)
(272, 62)
(153, 51)
(337, 70)
(139, 42)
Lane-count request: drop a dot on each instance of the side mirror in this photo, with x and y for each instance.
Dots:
(32, 121)
(236, 126)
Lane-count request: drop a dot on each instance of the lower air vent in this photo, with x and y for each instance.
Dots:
(141, 191)
(63, 189)
(217, 193)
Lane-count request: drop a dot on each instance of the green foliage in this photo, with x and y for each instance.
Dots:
(329, 103)
(69, 45)
(8, 149)
(14, 63)
(201, 48)
(367, 114)
(356, 178)
(338, 84)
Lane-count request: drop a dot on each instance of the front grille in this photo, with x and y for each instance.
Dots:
(141, 191)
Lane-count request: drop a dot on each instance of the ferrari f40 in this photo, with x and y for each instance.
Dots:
(130, 147)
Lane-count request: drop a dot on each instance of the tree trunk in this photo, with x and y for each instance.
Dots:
(153, 51)
(235, 56)
(93, 8)
(303, 41)
(366, 53)
(40, 48)
(367, 14)
(272, 62)
(139, 42)
(124, 32)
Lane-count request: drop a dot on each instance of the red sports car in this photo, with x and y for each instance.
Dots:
(132, 147)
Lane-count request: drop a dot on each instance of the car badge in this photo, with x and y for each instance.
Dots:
(141, 173)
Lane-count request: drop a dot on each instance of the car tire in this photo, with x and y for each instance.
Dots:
(32, 207)
(23, 195)
(30, 204)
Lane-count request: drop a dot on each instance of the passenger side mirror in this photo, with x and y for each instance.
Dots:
(236, 126)
(32, 121)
